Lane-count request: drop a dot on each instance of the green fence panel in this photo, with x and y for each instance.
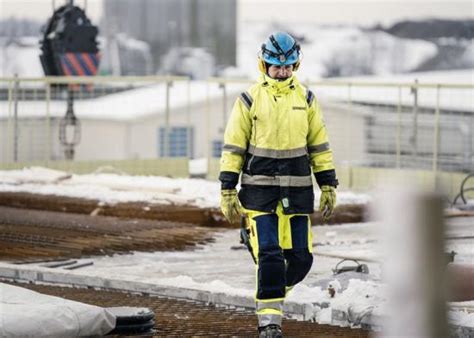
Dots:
(171, 167)
(214, 168)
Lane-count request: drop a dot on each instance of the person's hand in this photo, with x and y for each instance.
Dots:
(327, 201)
(230, 205)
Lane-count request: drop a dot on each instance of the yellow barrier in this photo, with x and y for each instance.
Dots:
(171, 167)
(213, 172)
(446, 183)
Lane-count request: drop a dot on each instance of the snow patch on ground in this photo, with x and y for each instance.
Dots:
(114, 188)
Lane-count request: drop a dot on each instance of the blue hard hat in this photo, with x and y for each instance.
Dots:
(280, 49)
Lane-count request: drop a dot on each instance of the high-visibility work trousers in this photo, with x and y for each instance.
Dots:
(282, 247)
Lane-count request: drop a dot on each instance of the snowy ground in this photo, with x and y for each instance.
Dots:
(205, 269)
(225, 266)
(114, 188)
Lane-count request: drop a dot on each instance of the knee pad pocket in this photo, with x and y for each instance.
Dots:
(299, 257)
(271, 273)
(299, 264)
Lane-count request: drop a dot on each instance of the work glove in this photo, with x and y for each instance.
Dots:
(327, 201)
(230, 205)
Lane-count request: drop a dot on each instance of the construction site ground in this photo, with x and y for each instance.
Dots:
(49, 228)
(179, 318)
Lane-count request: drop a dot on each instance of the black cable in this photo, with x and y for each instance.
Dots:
(462, 195)
(463, 190)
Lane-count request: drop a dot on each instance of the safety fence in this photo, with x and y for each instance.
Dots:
(416, 126)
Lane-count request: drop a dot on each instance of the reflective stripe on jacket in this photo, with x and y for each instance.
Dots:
(275, 136)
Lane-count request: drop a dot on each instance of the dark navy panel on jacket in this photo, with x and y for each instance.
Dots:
(259, 165)
(265, 198)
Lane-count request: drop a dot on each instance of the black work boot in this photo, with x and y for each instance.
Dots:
(270, 331)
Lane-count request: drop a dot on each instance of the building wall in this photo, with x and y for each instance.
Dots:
(176, 23)
(33, 141)
(102, 140)
(143, 133)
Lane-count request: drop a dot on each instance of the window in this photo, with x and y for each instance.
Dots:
(178, 142)
(216, 148)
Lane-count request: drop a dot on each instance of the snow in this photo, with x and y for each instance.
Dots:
(21, 57)
(203, 269)
(465, 76)
(198, 166)
(114, 188)
(461, 318)
(132, 43)
(363, 294)
(127, 105)
(370, 92)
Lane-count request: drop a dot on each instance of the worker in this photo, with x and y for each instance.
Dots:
(274, 137)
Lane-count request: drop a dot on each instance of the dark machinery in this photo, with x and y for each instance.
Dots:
(69, 48)
(69, 43)
(362, 268)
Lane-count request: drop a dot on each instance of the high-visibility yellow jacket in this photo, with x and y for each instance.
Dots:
(275, 136)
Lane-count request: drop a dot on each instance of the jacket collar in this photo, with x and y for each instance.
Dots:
(276, 87)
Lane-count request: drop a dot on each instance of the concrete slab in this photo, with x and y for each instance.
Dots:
(45, 275)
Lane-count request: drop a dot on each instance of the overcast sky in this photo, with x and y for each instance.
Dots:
(362, 12)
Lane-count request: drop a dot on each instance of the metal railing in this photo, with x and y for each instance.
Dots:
(396, 125)
(415, 125)
(38, 122)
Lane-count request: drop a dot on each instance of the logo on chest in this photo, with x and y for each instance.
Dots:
(298, 108)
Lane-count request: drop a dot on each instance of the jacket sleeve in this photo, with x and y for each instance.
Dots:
(236, 138)
(319, 150)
